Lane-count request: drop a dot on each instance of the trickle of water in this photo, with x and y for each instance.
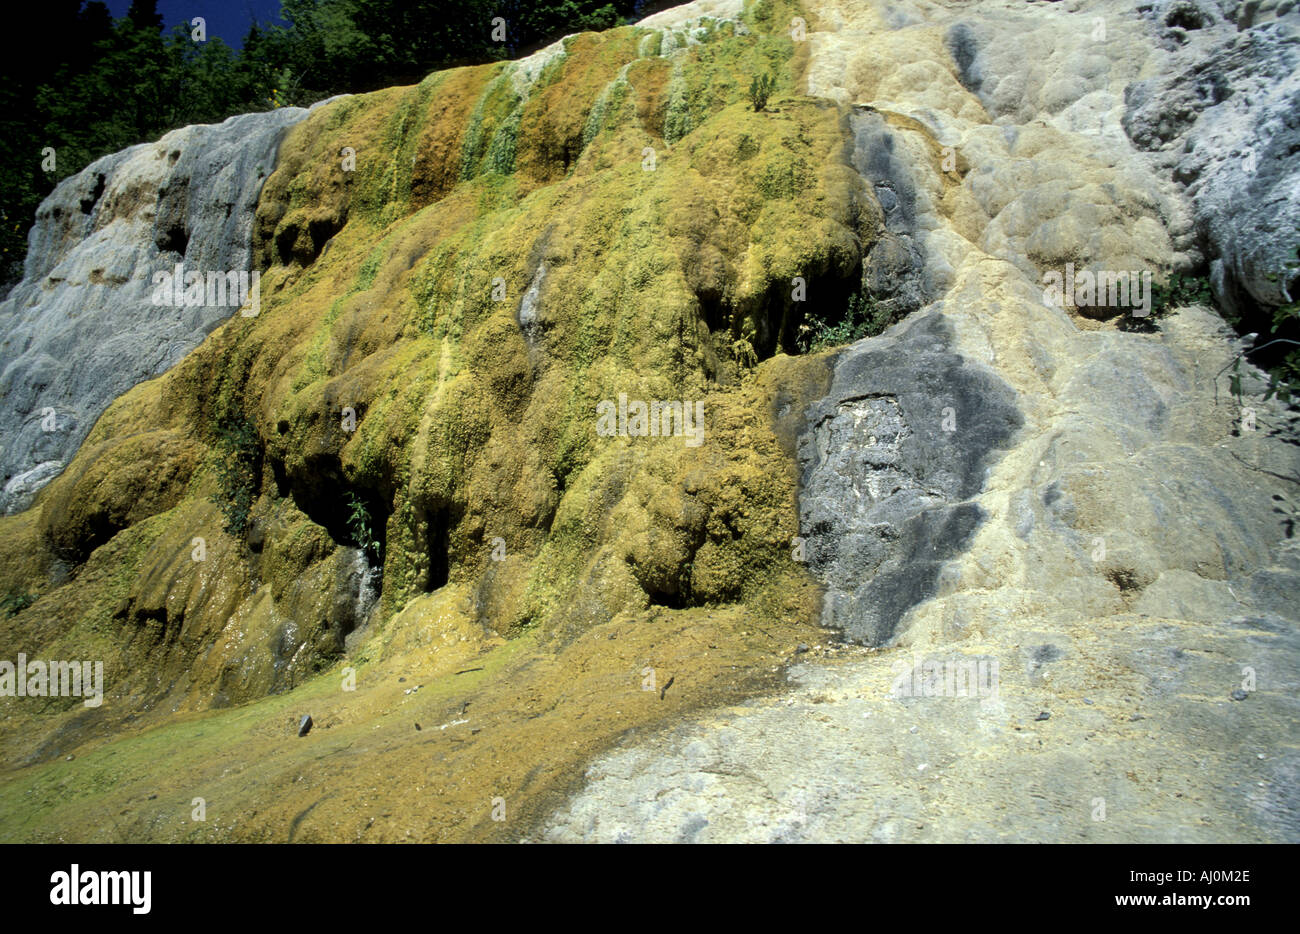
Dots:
(363, 580)
(368, 592)
(528, 307)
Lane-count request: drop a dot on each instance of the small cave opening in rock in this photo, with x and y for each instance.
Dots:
(438, 523)
(825, 309)
(1185, 16)
(321, 231)
(88, 203)
(279, 476)
(672, 600)
(173, 239)
(786, 317)
(284, 241)
(714, 310)
(354, 516)
(672, 585)
(303, 243)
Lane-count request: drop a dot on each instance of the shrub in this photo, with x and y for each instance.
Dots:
(1284, 376)
(1179, 291)
(238, 466)
(865, 317)
(760, 89)
(1282, 362)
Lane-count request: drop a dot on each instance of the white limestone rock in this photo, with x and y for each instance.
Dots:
(81, 328)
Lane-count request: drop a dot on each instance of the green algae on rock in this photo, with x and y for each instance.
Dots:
(455, 275)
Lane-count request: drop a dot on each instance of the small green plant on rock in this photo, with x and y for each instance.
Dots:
(13, 603)
(238, 468)
(359, 525)
(1179, 291)
(1284, 376)
(865, 317)
(1284, 326)
(760, 89)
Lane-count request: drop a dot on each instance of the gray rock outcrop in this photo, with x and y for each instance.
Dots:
(1223, 117)
(81, 327)
(887, 479)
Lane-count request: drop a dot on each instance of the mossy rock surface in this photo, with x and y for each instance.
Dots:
(437, 328)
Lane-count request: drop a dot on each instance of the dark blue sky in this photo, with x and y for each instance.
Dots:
(228, 19)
